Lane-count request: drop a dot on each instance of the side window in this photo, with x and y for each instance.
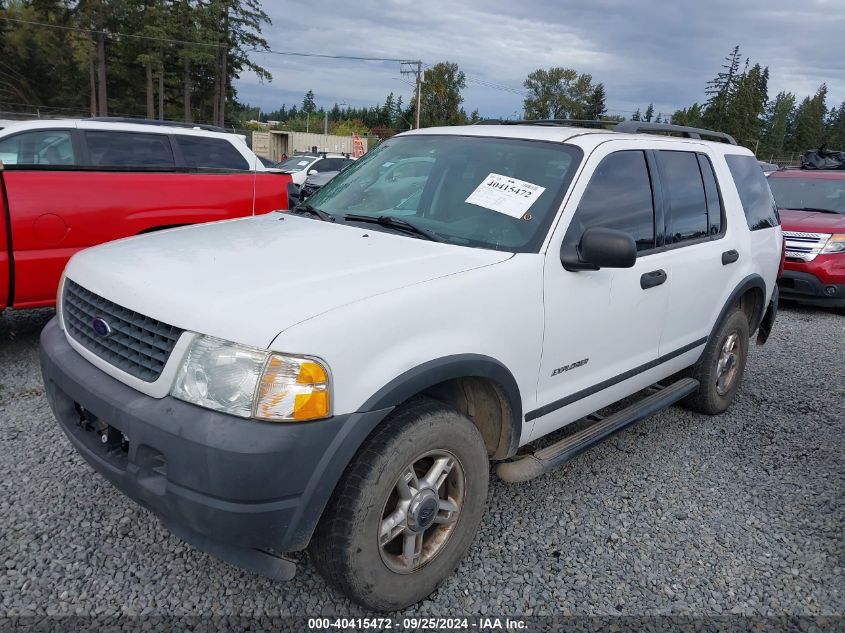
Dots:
(711, 191)
(41, 147)
(754, 193)
(202, 152)
(686, 217)
(618, 197)
(330, 164)
(129, 149)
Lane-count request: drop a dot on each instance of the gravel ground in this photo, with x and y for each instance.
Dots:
(681, 514)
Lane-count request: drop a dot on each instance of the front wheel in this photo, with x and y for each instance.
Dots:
(720, 368)
(407, 508)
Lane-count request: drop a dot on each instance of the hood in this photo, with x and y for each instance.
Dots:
(812, 222)
(247, 280)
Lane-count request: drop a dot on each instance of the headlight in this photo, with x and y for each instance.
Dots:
(836, 244)
(250, 382)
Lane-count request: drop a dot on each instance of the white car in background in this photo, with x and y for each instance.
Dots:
(300, 167)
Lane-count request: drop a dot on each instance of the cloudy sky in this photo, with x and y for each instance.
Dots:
(644, 51)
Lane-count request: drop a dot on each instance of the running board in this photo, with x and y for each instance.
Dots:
(557, 454)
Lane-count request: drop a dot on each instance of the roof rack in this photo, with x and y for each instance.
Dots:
(628, 127)
(635, 127)
(127, 119)
(591, 123)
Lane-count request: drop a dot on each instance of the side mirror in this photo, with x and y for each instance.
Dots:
(313, 172)
(293, 195)
(600, 248)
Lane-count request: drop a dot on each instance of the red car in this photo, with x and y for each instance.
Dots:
(66, 185)
(812, 212)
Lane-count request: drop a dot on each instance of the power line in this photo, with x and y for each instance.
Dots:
(166, 40)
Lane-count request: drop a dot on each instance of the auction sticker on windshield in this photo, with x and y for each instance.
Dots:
(504, 194)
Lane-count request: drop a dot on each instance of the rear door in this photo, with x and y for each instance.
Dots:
(706, 263)
(38, 177)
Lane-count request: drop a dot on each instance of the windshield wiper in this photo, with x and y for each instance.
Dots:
(815, 210)
(307, 209)
(396, 223)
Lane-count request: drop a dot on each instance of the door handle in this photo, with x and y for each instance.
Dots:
(652, 279)
(729, 257)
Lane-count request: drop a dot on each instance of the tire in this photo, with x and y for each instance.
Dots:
(348, 547)
(717, 385)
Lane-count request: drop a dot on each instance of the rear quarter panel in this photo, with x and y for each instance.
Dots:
(54, 214)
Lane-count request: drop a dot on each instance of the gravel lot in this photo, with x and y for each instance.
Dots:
(744, 513)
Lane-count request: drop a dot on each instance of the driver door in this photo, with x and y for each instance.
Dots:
(602, 327)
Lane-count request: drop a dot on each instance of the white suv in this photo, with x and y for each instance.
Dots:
(338, 377)
(300, 167)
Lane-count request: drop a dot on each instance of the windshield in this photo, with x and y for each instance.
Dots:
(474, 191)
(297, 163)
(809, 193)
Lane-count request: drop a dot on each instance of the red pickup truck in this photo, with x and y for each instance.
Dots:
(812, 213)
(66, 185)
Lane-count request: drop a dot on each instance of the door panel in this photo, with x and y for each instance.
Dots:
(601, 324)
(54, 214)
(695, 223)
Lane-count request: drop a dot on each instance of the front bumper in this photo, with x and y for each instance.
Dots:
(230, 486)
(807, 288)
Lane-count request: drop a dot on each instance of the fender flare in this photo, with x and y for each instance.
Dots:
(753, 281)
(359, 425)
(445, 368)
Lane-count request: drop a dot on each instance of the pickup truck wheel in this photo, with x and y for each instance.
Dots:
(407, 508)
(719, 371)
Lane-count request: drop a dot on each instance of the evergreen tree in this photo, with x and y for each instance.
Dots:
(649, 113)
(777, 127)
(720, 92)
(810, 122)
(746, 110)
(835, 134)
(595, 107)
(308, 105)
(637, 116)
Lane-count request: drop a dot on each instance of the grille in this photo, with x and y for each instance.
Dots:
(137, 344)
(804, 246)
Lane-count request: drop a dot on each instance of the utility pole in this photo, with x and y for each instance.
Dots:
(407, 68)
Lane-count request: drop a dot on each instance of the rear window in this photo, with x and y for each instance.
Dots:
(329, 164)
(41, 147)
(210, 153)
(754, 193)
(129, 149)
(684, 190)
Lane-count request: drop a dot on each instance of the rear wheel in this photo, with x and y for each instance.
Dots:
(407, 508)
(719, 371)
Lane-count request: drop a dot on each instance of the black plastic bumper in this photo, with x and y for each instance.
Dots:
(228, 485)
(807, 288)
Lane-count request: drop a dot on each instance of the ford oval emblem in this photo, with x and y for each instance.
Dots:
(101, 327)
